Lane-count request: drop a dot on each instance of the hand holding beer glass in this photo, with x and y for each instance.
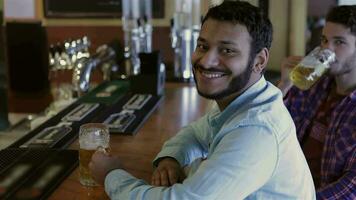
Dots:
(311, 68)
(92, 137)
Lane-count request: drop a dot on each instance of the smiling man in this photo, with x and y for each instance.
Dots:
(245, 147)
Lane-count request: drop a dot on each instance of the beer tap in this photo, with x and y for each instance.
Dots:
(62, 56)
(62, 59)
(104, 58)
(185, 28)
(138, 33)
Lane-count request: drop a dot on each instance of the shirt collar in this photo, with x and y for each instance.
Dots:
(217, 117)
(326, 84)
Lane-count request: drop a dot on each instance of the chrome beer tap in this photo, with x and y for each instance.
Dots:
(184, 33)
(62, 56)
(104, 58)
(146, 18)
(138, 32)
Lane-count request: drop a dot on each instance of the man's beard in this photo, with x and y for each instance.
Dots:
(346, 67)
(236, 84)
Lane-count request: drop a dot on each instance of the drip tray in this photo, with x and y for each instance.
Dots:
(129, 114)
(34, 173)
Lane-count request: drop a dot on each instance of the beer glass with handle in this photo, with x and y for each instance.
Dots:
(92, 137)
(311, 68)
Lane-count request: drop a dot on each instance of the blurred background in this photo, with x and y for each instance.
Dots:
(37, 38)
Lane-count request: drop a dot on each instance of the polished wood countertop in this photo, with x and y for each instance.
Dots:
(181, 105)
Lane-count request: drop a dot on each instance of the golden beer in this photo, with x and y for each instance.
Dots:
(311, 68)
(304, 77)
(92, 137)
(84, 172)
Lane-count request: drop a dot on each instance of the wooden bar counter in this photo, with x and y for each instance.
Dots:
(181, 105)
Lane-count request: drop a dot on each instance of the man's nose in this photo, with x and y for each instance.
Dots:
(210, 59)
(327, 45)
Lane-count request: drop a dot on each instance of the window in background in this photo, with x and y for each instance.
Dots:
(19, 9)
(347, 2)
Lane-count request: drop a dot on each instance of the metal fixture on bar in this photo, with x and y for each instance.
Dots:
(63, 56)
(185, 29)
(137, 26)
(103, 58)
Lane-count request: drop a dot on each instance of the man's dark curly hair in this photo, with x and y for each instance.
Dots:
(345, 15)
(239, 12)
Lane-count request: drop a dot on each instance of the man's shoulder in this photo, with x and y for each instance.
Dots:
(270, 113)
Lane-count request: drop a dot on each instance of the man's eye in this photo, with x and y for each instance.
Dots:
(201, 47)
(339, 42)
(227, 51)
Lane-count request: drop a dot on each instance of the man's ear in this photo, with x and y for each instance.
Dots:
(261, 60)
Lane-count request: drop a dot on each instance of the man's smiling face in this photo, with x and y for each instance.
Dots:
(221, 62)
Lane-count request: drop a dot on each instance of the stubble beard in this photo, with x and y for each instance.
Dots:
(236, 84)
(347, 67)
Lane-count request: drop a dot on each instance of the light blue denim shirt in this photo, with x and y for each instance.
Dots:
(247, 151)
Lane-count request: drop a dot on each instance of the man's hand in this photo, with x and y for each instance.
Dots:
(101, 164)
(167, 173)
(286, 67)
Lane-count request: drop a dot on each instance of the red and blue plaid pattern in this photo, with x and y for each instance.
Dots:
(338, 162)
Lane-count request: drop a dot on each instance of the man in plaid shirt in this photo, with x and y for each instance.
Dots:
(325, 115)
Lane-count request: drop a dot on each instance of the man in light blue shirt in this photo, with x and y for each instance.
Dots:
(245, 147)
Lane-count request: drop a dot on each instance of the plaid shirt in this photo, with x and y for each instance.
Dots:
(338, 162)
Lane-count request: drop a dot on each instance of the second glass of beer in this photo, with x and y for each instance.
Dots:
(92, 137)
(311, 68)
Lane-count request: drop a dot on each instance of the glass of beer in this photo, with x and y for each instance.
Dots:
(92, 137)
(311, 68)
